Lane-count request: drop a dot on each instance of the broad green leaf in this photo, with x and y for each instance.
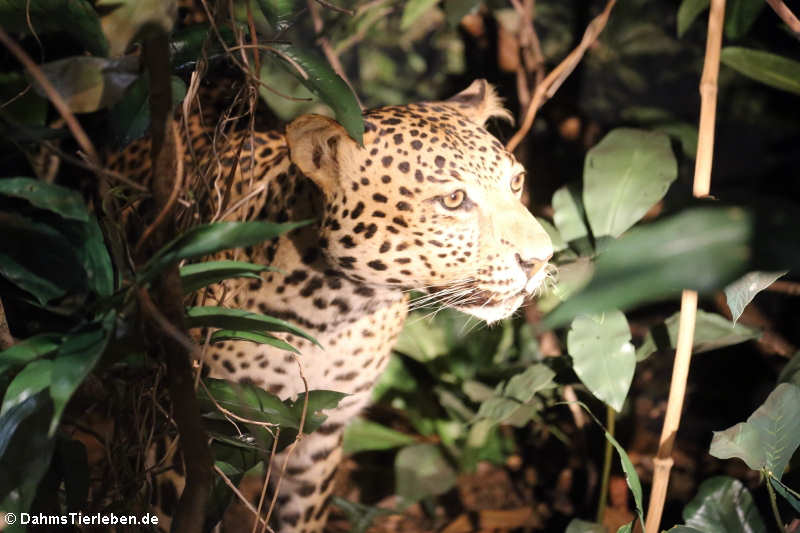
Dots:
(770, 436)
(28, 350)
(740, 16)
(315, 73)
(624, 176)
(701, 249)
(25, 452)
(723, 505)
(602, 355)
(88, 84)
(199, 275)
(770, 69)
(684, 133)
(422, 340)
(73, 361)
(413, 10)
(788, 494)
(186, 45)
(252, 336)
(211, 238)
(789, 374)
(76, 18)
(360, 516)
(32, 379)
(88, 244)
(55, 198)
(627, 528)
(568, 214)
(240, 320)
(631, 476)
(498, 409)
(582, 526)
(742, 291)
(130, 17)
(130, 117)
(318, 401)
(245, 400)
(711, 331)
(421, 471)
(526, 384)
(458, 9)
(279, 13)
(362, 435)
(553, 233)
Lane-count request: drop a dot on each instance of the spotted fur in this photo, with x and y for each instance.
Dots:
(428, 202)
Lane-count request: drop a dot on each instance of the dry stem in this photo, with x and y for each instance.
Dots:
(683, 352)
(786, 15)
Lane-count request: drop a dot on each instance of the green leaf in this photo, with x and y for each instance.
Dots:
(582, 526)
(602, 355)
(55, 198)
(130, 117)
(421, 471)
(770, 436)
(199, 275)
(363, 435)
(76, 18)
(211, 238)
(75, 358)
(701, 249)
(684, 133)
(252, 336)
(28, 350)
(245, 400)
(32, 379)
(88, 84)
(360, 516)
(624, 175)
(497, 409)
(318, 401)
(688, 12)
(279, 13)
(88, 244)
(742, 291)
(627, 528)
(315, 73)
(187, 45)
(788, 494)
(711, 331)
(740, 16)
(631, 476)
(239, 319)
(130, 17)
(413, 10)
(770, 69)
(723, 505)
(22, 106)
(458, 9)
(568, 214)
(25, 453)
(525, 385)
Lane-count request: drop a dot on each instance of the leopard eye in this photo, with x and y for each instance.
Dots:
(517, 182)
(454, 200)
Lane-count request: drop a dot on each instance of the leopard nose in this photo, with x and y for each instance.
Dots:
(531, 267)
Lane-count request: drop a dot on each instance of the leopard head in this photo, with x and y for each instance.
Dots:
(431, 201)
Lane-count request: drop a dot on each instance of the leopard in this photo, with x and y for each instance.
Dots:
(430, 201)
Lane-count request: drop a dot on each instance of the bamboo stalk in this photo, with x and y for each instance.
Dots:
(683, 351)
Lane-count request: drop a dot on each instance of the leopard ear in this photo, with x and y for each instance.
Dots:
(319, 146)
(479, 102)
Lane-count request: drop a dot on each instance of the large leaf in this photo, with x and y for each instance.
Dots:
(210, 238)
(88, 244)
(723, 505)
(130, 117)
(32, 379)
(239, 319)
(770, 69)
(711, 331)
(524, 385)
(199, 275)
(55, 198)
(361, 435)
(252, 336)
(73, 361)
(28, 350)
(688, 12)
(624, 176)
(701, 249)
(421, 471)
(279, 13)
(88, 84)
(130, 17)
(315, 73)
(568, 214)
(76, 18)
(770, 436)
(742, 291)
(602, 355)
(740, 16)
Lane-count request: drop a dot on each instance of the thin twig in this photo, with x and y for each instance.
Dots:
(792, 288)
(239, 495)
(53, 95)
(786, 15)
(683, 352)
(334, 7)
(558, 75)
